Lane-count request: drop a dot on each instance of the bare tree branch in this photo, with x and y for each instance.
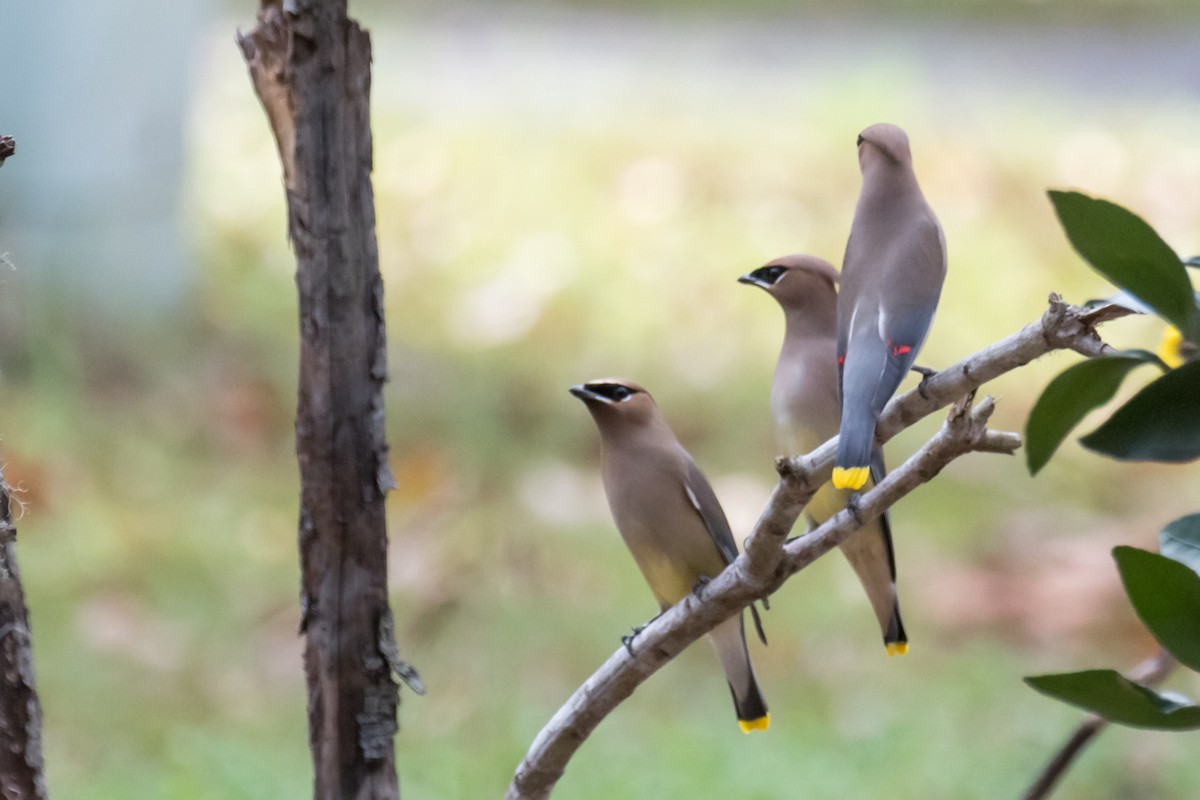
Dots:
(21, 767)
(730, 592)
(1150, 672)
(21, 776)
(767, 562)
(964, 431)
(311, 68)
(1062, 327)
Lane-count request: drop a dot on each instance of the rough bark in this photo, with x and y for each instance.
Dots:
(311, 67)
(20, 711)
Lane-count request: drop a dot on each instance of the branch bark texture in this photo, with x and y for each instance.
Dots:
(311, 68)
(768, 559)
(21, 776)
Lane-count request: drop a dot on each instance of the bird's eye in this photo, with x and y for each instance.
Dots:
(860, 141)
(768, 276)
(620, 393)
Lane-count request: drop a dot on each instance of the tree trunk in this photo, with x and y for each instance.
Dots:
(311, 67)
(20, 711)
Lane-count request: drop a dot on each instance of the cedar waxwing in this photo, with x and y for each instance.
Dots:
(804, 405)
(670, 520)
(891, 279)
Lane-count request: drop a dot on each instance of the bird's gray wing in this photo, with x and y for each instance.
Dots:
(850, 280)
(704, 500)
(702, 497)
(920, 256)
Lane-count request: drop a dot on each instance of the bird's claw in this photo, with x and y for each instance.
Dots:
(698, 589)
(926, 373)
(628, 638)
(852, 507)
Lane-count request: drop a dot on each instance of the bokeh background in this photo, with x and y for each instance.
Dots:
(564, 191)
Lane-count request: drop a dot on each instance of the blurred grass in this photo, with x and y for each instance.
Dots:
(530, 240)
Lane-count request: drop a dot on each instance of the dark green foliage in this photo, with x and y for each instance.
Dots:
(1123, 248)
(1166, 596)
(1070, 396)
(1107, 693)
(1160, 423)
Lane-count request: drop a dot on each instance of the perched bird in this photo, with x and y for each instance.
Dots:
(891, 279)
(804, 406)
(670, 520)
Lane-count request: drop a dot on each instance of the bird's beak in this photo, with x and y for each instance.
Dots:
(749, 278)
(586, 395)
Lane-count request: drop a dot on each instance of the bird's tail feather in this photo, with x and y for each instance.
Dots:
(870, 553)
(752, 710)
(729, 640)
(865, 364)
(855, 442)
(895, 639)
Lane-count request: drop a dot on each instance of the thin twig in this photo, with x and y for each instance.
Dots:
(767, 563)
(964, 431)
(1150, 672)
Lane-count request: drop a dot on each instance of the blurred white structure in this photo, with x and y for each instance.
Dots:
(95, 93)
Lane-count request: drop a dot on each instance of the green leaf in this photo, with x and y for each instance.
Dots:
(1180, 540)
(1070, 396)
(1123, 248)
(1159, 423)
(1111, 695)
(1166, 596)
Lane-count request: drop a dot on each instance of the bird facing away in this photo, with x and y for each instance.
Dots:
(670, 520)
(804, 406)
(891, 279)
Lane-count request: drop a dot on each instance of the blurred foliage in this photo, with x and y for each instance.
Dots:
(1073, 394)
(1165, 592)
(1114, 697)
(1166, 595)
(1124, 248)
(1159, 423)
(543, 222)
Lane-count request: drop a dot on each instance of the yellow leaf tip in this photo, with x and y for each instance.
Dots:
(850, 477)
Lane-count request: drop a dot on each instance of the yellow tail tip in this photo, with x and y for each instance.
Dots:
(897, 649)
(760, 724)
(850, 477)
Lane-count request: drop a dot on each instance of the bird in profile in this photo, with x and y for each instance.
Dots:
(891, 280)
(804, 407)
(670, 519)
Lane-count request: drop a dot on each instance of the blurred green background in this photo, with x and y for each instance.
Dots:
(564, 192)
